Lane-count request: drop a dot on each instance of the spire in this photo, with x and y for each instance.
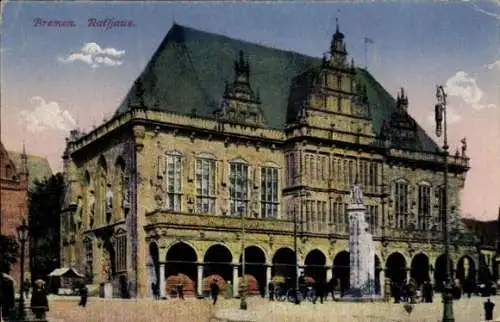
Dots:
(337, 47)
(242, 68)
(337, 25)
(402, 100)
(24, 158)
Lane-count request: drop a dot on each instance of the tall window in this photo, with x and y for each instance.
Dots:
(89, 260)
(372, 219)
(291, 169)
(121, 252)
(352, 171)
(441, 207)
(174, 178)
(424, 207)
(205, 186)
(269, 192)
(238, 187)
(401, 203)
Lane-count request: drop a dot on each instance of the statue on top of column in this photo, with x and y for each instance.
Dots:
(356, 194)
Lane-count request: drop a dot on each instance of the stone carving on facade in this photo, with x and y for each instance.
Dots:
(77, 217)
(109, 199)
(106, 265)
(126, 196)
(139, 135)
(356, 194)
(91, 208)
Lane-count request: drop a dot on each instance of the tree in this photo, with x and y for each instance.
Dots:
(9, 248)
(44, 213)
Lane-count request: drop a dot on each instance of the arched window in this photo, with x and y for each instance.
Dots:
(205, 185)
(101, 190)
(238, 187)
(121, 251)
(424, 206)
(118, 210)
(269, 199)
(401, 203)
(174, 180)
(89, 260)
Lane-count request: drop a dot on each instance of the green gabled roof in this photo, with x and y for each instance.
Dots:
(38, 167)
(188, 71)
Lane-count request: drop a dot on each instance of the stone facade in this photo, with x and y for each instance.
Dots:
(13, 203)
(155, 193)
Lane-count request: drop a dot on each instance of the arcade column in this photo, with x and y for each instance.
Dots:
(329, 273)
(236, 280)
(199, 280)
(162, 281)
(382, 282)
(268, 278)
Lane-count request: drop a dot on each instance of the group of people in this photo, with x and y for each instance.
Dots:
(214, 291)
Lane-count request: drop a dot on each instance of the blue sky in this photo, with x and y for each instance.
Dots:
(416, 45)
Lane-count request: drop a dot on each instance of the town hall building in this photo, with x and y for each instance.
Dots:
(217, 128)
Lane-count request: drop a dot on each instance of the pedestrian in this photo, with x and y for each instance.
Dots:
(27, 286)
(488, 310)
(214, 289)
(39, 301)
(84, 294)
(320, 291)
(271, 291)
(302, 285)
(180, 290)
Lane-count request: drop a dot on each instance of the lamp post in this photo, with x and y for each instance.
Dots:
(22, 235)
(295, 250)
(243, 295)
(440, 117)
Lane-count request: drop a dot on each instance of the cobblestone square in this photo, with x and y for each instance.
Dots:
(67, 310)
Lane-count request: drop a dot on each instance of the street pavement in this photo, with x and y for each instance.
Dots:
(65, 309)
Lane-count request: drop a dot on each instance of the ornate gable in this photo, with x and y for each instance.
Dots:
(240, 104)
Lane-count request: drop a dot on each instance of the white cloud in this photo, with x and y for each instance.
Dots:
(465, 86)
(47, 116)
(494, 65)
(94, 55)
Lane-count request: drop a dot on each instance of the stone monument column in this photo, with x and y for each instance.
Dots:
(382, 282)
(161, 282)
(199, 280)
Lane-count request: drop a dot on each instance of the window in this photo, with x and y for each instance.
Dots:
(372, 219)
(121, 252)
(401, 203)
(269, 192)
(330, 102)
(441, 207)
(238, 187)
(291, 169)
(352, 168)
(424, 207)
(309, 211)
(339, 82)
(89, 260)
(373, 180)
(339, 104)
(205, 186)
(174, 182)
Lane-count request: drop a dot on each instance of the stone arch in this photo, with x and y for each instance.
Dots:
(284, 263)
(341, 269)
(218, 265)
(466, 272)
(440, 271)
(315, 262)
(153, 267)
(420, 268)
(395, 266)
(255, 269)
(178, 241)
(180, 264)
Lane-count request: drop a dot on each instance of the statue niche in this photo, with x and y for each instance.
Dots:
(91, 208)
(77, 217)
(109, 203)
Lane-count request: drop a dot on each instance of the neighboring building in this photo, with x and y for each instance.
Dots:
(17, 172)
(215, 127)
(488, 246)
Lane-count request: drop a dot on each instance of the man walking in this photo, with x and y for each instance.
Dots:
(84, 293)
(271, 291)
(488, 310)
(214, 289)
(320, 291)
(180, 290)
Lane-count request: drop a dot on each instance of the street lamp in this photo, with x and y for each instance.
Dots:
(243, 295)
(22, 235)
(441, 128)
(295, 233)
